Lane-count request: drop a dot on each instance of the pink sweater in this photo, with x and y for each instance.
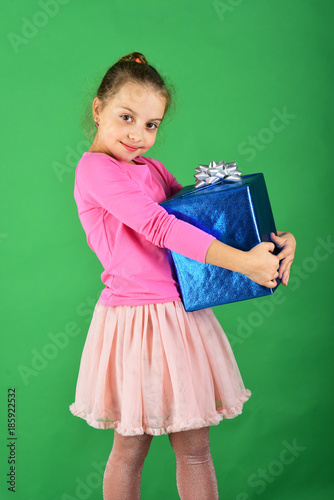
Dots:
(118, 206)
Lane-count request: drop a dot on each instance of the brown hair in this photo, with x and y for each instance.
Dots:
(131, 68)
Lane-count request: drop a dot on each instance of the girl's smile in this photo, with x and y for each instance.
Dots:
(129, 148)
(128, 123)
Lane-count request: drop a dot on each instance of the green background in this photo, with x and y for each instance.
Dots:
(235, 65)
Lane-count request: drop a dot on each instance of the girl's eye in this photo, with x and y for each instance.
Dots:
(152, 126)
(126, 118)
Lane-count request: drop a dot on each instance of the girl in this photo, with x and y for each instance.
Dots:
(148, 367)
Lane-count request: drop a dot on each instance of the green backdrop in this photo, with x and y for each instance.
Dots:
(253, 84)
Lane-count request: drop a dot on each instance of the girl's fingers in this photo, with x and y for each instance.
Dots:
(285, 256)
(286, 275)
(286, 252)
(284, 242)
(283, 253)
(279, 241)
(284, 266)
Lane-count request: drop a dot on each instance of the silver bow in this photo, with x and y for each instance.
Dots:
(217, 172)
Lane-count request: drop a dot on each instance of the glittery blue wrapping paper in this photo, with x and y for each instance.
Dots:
(238, 214)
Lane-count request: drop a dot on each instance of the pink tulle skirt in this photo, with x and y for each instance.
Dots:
(156, 369)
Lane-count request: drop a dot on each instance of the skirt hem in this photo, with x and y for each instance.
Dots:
(194, 423)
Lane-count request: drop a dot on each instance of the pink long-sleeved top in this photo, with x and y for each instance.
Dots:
(118, 206)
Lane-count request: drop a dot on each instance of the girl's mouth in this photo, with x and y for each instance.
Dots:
(128, 147)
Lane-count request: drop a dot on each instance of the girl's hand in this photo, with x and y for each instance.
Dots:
(261, 265)
(287, 243)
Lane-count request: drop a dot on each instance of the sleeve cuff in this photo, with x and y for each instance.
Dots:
(190, 241)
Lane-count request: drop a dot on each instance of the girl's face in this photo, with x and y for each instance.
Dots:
(128, 123)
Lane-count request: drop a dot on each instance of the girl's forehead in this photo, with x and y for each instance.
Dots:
(139, 95)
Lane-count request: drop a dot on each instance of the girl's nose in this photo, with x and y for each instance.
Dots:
(135, 135)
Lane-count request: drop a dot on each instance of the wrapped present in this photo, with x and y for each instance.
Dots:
(236, 210)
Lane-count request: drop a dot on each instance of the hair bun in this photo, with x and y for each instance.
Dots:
(134, 57)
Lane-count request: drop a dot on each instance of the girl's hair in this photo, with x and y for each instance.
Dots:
(133, 68)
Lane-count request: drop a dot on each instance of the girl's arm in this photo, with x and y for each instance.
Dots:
(103, 183)
(259, 264)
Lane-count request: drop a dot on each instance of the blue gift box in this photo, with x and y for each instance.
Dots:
(238, 214)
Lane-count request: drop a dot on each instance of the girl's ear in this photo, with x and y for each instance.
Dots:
(96, 109)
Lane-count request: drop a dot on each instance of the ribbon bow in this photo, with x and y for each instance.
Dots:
(217, 172)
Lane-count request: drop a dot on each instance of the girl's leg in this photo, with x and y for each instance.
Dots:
(122, 475)
(195, 472)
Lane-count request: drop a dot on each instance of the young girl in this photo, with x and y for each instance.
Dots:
(148, 367)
